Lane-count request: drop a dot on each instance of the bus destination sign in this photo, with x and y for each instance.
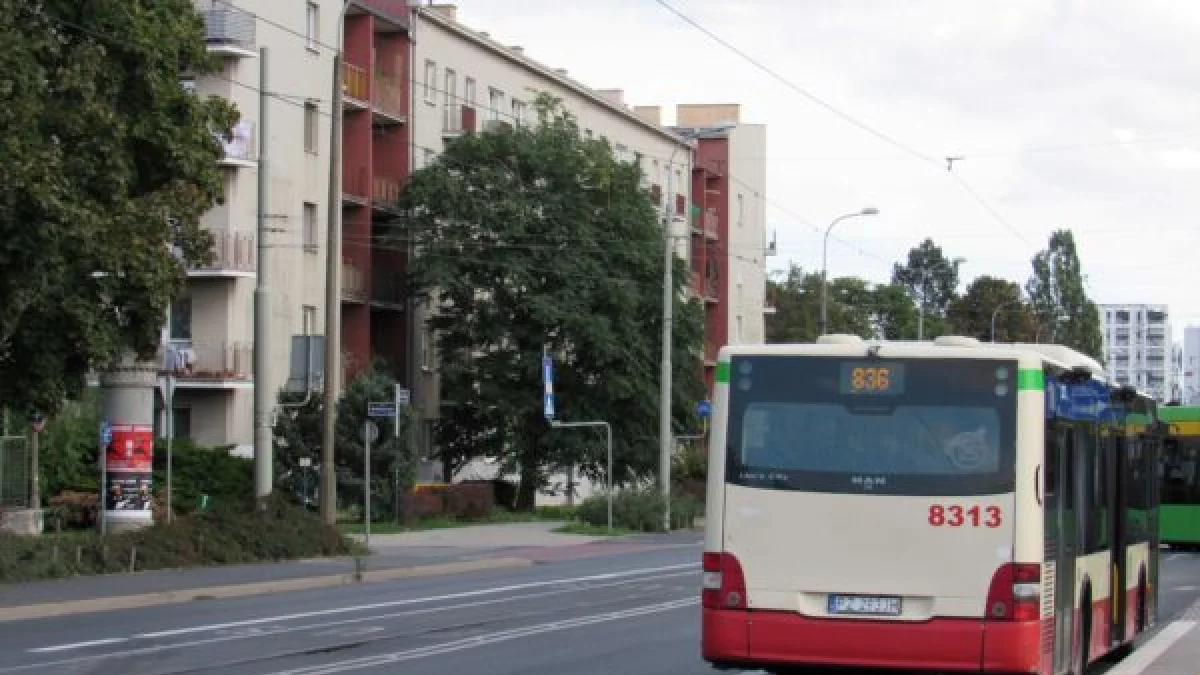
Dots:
(881, 379)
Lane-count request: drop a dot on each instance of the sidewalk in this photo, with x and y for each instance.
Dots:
(410, 554)
(1173, 650)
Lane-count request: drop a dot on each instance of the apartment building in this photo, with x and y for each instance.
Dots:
(728, 246)
(208, 337)
(1190, 366)
(1138, 347)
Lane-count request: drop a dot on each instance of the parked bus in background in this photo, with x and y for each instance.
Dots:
(1180, 518)
(950, 506)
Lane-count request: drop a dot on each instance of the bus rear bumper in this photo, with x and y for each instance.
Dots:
(740, 638)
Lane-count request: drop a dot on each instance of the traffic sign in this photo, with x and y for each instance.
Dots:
(105, 432)
(403, 396)
(370, 431)
(38, 421)
(704, 408)
(548, 387)
(381, 409)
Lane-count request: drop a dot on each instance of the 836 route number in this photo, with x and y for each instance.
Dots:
(958, 516)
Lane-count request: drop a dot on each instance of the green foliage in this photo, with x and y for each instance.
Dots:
(68, 457)
(108, 164)
(197, 470)
(640, 510)
(853, 307)
(1065, 313)
(895, 313)
(231, 533)
(987, 297)
(932, 279)
(537, 237)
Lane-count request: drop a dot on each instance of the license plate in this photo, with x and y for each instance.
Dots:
(864, 604)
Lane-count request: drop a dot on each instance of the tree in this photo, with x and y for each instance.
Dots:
(932, 279)
(531, 238)
(987, 297)
(108, 165)
(797, 297)
(1064, 312)
(894, 314)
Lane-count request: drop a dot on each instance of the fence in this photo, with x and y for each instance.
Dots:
(14, 472)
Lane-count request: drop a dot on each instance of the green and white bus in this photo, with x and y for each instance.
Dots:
(1180, 518)
(948, 505)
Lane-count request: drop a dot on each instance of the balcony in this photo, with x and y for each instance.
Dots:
(388, 102)
(233, 257)
(355, 88)
(356, 188)
(385, 192)
(458, 119)
(208, 365)
(708, 223)
(240, 148)
(711, 292)
(387, 290)
(230, 33)
(354, 283)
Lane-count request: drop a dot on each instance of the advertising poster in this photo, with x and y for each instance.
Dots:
(130, 467)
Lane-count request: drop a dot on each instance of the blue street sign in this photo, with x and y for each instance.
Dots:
(704, 408)
(384, 409)
(105, 432)
(548, 387)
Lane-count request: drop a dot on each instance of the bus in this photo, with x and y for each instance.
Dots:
(1180, 511)
(948, 505)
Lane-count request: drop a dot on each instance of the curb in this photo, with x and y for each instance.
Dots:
(72, 607)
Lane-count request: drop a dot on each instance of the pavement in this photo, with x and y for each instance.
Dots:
(602, 608)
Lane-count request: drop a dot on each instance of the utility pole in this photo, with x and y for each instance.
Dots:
(664, 392)
(262, 307)
(330, 381)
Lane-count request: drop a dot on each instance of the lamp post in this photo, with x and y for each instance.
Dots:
(869, 211)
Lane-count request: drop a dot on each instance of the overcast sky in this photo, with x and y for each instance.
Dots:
(1070, 113)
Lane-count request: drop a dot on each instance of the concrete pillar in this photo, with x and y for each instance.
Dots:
(127, 394)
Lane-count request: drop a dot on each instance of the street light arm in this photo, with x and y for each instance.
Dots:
(869, 211)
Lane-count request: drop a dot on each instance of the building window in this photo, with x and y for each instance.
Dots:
(738, 329)
(469, 91)
(518, 111)
(430, 80)
(310, 227)
(495, 102)
(428, 156)
(451, 91)
(180, 320)
(310, 127)
(312, 34)
(741, 208)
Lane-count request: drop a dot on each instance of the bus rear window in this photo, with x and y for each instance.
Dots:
(914, 426)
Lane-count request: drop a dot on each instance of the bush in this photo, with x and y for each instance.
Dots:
(228, 533)
(639, 510)
(461, 501)
(197, 470)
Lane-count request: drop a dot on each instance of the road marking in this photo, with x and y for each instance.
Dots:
(1187, 589)
(78, 645)
(482, 640)
(249, 632)
(1145, 655)
(415, 601)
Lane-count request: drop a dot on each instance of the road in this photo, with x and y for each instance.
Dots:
(632, 613)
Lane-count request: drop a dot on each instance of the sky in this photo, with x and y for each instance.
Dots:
(1079, 114)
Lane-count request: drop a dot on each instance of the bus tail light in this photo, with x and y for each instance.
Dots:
(724, 583)
(1016, 593)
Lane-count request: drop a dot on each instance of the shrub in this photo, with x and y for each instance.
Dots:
(229, 533)
(639, 510)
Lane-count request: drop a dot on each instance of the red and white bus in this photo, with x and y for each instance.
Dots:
(948, 505)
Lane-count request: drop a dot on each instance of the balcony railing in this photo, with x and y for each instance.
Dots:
(240, 147)
(708, 223)
(355, 184)
(389, 96)
(710, 290)
(233, 253)
(354, 283)
(354, 82)
(207, 362)
(387, 289)
(385, 192)
(229, 31)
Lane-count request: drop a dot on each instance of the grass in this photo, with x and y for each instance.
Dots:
(543, 514)
(590, 530)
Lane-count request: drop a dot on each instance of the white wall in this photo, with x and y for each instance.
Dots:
(747, 233)
(297, 71)
(1191, 365)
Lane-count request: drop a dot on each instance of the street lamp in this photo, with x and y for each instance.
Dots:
(869, 211)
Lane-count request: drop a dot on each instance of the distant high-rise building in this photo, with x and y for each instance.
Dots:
(1191, 366)
(1138, 347)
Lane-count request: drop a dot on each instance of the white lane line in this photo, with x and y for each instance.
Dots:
(260, 632)
(1146, 654)
(1186, 589)
(414, 601)
(378, 660)
(78, 645)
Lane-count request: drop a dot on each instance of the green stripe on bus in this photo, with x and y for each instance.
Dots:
(722, 371)
(1030, 379)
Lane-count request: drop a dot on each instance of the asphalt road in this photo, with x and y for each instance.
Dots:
(631, 613)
